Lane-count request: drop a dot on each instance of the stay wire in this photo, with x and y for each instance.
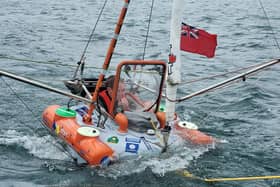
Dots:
(93, 30)
(34, 116)
(222, 74)
(148, 29)
(81, 61)
(272, 31)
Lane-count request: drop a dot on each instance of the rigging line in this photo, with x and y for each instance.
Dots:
(220, 75)
(81, 62)
(93, 30)
(56, 63)
(272, 31)
(148, 30)
(34, 116)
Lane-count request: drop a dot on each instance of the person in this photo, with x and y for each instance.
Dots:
(139, 121)
(105, 96)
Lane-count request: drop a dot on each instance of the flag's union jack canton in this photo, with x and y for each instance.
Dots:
(198, 41)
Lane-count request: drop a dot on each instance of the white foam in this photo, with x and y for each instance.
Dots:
(41, 147)
(176, 159)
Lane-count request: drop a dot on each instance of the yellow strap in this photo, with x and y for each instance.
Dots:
(189, 175)
(154, 126)
(242, 178)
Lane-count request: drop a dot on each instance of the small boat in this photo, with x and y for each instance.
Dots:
(147, 126)
(139, 131)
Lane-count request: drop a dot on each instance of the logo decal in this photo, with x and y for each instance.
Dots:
(57, 129)
(113, 139)
(53, 125)
(132, 144)
(131, 147)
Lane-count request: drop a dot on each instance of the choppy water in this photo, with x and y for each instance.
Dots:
(245, 116)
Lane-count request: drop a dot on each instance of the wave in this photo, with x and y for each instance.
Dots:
(44, 147)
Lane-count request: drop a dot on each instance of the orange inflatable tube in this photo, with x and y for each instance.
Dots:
(194, 135)
(84, 140)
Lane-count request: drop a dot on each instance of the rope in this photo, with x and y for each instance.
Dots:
(242, 178)
(57, 63)
(272, 31)
(147, 34)
(189, 175)
(153, 125)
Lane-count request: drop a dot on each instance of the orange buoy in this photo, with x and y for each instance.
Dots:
(122, 121)
(161, 118)
(190, 132)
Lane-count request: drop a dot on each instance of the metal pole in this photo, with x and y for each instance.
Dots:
(41, 85)
(242, 75)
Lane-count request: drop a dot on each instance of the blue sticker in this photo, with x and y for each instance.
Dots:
(133, 140)
(131, 147)
(82, 111)
(54, 126)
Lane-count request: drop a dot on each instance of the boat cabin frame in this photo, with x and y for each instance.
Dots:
(124, 68)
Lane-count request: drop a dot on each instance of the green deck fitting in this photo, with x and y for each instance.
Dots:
(162, 107)
(65, 112)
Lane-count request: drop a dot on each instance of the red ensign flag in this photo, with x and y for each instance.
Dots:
(198, 41)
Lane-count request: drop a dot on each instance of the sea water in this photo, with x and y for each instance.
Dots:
(244, 117)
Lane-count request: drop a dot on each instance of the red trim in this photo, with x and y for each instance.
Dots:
(172, 58)
(107, 99)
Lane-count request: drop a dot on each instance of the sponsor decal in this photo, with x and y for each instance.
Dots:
(131, 147)
(113, 139)
(132, 144)
(56, 128)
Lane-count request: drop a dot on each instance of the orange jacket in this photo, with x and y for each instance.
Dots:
(105, 99)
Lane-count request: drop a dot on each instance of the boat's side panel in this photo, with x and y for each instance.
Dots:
(129, 144)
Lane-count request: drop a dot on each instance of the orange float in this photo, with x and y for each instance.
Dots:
(83, 139)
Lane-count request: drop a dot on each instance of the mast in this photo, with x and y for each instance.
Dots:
(110, 51)
(174, 64)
